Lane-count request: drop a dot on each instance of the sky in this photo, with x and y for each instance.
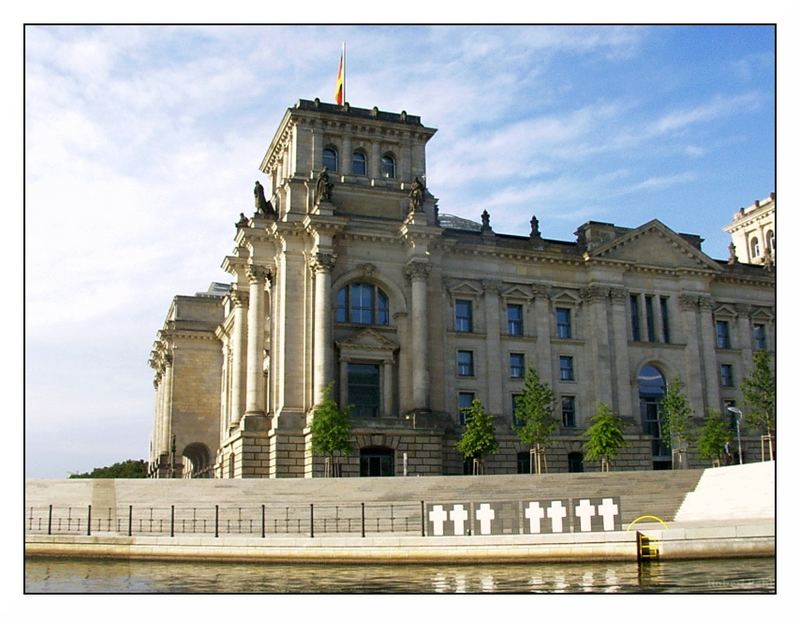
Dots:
(142, 144)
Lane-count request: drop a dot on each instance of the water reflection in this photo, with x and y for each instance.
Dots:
(67, 575)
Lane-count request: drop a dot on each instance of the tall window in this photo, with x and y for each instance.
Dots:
(514, 314)
(567, 372)
(465, 400)
(723, 334)
(755, 250)
(568, 411)
(651, 320)
(359, 163)
(363, 389)
(770, 240)
(635, 318)
(517, 363)
(464, 316)
(726, 375)
(664, 318)
(362, 303)
(652, 387)
(563, 323)
(387, 166)
(466, 365)
(515, 399)
(330, 159)
(760, 336)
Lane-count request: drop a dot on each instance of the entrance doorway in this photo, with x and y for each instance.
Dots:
(652, 387)
(377, 461)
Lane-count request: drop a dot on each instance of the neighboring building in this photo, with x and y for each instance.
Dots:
(352, 277)
(753, 232)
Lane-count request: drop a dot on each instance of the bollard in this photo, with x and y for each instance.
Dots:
(130, 520)
(89, 522)
(50, 519)
(363, 531)
(216, 520)
(422, 504)
(311, 521)
(172, 521)
(263, 521)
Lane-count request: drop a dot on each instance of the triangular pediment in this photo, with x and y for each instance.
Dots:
(466, 288)
(654, 244)
(725, 310)
(367, 339)
(517, 292)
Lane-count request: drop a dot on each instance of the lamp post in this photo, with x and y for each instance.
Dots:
(738, 414)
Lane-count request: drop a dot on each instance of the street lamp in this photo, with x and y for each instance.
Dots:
(738, 414)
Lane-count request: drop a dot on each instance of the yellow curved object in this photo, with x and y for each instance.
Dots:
(641, 517)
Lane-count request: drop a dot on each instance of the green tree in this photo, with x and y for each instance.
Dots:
(478, 439)
(713, 437)
(759, 395)
(676, 418)
(128, 469)
(605, 437)
(535, 422)
(330, 431)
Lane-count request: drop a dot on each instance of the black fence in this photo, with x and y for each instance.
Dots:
(310, 520)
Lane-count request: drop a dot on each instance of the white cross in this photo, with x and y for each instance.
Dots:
(608, 509)
(584, 512)
(485, 515)
(556, 512)
(438, 516)
(458, 516)
(534, 514)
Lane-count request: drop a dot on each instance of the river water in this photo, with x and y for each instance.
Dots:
(48, 575)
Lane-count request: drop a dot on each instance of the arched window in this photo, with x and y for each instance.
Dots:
(359, 163)
(652, 387)
(362, 303)
(330, 159)
(387, 166)
(755, 250)
(771, 240)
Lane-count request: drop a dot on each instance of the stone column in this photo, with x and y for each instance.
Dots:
(321, 266)
(166, 402)
(387, 368)
(745, 337)
(694, 360)
(658, 325)
(494, 362)
(621, 367)
(255, 340)
(417, 272)
(374, 170)
(543, 309)
(711, 370)
(595, 297)
(346, 156)
(343, 381)
(238, 379)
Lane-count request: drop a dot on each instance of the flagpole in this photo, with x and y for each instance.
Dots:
(344, 72)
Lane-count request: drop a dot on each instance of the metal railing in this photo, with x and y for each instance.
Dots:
(353, 519)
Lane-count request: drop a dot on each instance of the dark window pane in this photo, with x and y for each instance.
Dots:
(723, 334)
(760, 336)
(382, 315)
(517, 365)
(361, 303)
(651, 320)
(363, 389)
(341, 305)
(464, 316)
(563, 324)
(330, 159)
(515, 320)
(565, 363)
(359, 164)
(387, 167)
(464, 401)
(665, 319)
(465, 364)
(635, 328)
(568, 411)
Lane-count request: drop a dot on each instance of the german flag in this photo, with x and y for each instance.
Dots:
(339, 92)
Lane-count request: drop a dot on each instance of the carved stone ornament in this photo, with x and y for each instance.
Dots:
(324, 187)
(688, 301)
(257, 273)
(617, 295)
(238, 297)
(594, 293)
(540, 290)
(367, 269)
(491, 285)
(705, 303)
(322, 262)
(417, 270)
(732, 259)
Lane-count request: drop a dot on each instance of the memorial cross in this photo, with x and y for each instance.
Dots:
(438, 516)
(584, 511)
(485, 515)
(556, 512)
(534, 514)
(458, 516)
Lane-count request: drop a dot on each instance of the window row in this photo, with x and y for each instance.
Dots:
(466, 365)
(359, 166)
(514, 319)
(567, 408)
(652, 330)
(723, 332)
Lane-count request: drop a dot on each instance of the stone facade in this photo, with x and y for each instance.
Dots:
(350, 276)
(753, 232)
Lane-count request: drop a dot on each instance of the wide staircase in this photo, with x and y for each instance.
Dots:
(658, 493)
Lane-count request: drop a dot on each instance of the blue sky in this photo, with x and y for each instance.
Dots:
(142, 145)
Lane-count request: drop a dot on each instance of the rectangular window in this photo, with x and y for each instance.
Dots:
(361, 303)
(466, 366)
(464, 316)
(760, 336)
(723, 334)
(651, 319)
(517, 365)
(635, 320)
(566, 369)
(664, 319)
(464, 401)
(726, 375)
(363, 389)
(515, 399)
(563, 323)
(514, 313)
(568, 411)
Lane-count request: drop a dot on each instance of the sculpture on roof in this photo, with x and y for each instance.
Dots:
(243, 221)
(485, 226)
(535, 233)
(732, 259)
(263, 206)
(324, 186)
